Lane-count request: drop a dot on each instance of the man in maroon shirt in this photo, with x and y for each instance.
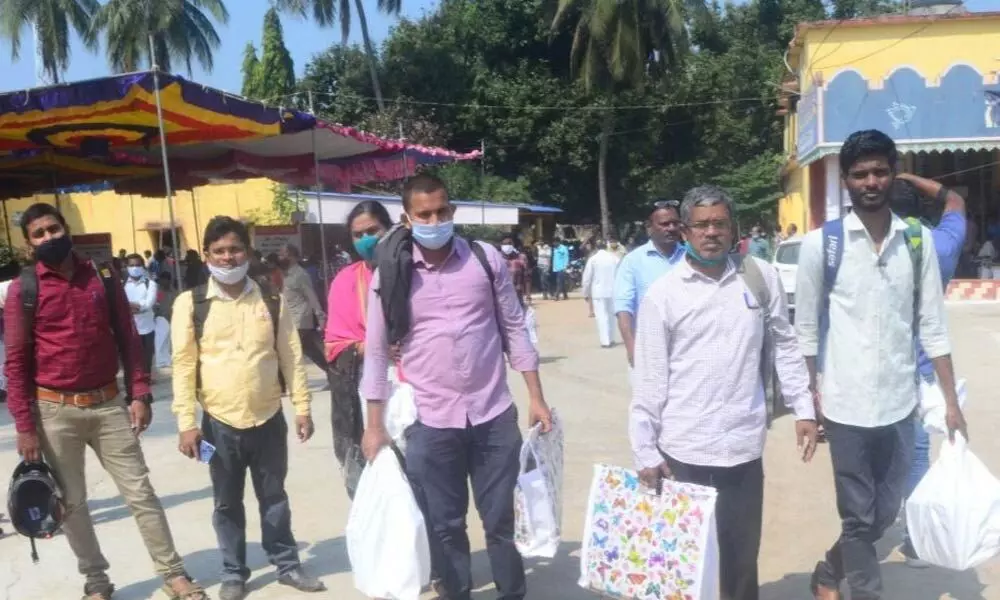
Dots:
(63, 394)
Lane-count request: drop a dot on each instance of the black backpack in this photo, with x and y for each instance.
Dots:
(201, 304)
(29, 308)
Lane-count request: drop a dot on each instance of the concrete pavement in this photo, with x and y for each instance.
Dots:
(589, 387)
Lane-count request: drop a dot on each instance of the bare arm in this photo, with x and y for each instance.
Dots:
(953, 201)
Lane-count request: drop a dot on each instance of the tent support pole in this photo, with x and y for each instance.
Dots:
(319, 202)
(166, 165)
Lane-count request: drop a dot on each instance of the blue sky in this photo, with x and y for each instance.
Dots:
(302, 37)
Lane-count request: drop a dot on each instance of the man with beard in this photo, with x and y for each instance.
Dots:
(872, 287)
(62, 362)
(644, 265)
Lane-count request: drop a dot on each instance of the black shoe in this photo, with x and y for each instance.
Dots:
(101, 591)
(233, 590)
(302, 582)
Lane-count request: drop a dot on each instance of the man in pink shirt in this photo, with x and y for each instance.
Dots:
(462, 318)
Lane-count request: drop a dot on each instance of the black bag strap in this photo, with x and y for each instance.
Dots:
(480, 254)
(112, 286)
(29, 306)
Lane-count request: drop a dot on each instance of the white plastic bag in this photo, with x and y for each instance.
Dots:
(538, 495)
(932, 407)
(953, 517)
(400, 410)
(161, 343)
(386, 534)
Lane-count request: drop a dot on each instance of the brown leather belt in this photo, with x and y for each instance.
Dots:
(79, 399)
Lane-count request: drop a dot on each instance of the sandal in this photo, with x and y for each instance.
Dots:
(193, 591)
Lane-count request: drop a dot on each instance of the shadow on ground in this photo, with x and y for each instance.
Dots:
(547, 578)
(898, 580)
(111, 509)
(321, 559)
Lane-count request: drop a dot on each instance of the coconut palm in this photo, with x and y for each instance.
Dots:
(620, 45)
(182, 31)
(51, 21)
(326, 12)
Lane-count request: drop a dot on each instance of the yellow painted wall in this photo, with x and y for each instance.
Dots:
(126, 216)
(793, 208)
(874, 51)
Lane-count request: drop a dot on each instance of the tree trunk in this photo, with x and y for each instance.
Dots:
(370, 51)
(602, 174)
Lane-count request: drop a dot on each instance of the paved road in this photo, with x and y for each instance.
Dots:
(588, 385)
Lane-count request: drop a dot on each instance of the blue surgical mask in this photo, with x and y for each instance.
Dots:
(365, 246)
(136, 272)
(708, 262)
(433, 237)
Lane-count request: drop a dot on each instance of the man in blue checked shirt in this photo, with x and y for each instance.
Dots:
(644, 265)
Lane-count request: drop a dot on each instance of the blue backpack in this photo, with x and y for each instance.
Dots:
(833, 253)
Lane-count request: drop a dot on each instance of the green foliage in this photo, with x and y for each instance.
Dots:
(274, 79)
(250, 71)
(52, 20)
(283, 204)
(183, 31)
(466, 182)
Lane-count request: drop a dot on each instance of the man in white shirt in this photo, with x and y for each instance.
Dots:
(598, 289)
(885, 289)
(698, 410)
(141, 292)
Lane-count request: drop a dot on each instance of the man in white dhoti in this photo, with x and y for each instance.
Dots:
(598, 289)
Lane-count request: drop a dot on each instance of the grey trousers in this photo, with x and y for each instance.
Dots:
(263, 451)
(870, 468)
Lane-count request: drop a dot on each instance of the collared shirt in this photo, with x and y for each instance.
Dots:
(638, 270)
(599, 275)
(545, 257)
(75, 348)
(697, 391)
(869, 360)
(300, 296)
(560, 258)
(453, 355)
(142, 292)
(239, 360)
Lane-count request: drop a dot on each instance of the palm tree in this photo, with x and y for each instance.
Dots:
(181, 30)
(620, 45)
(51, 21)
(325, 14)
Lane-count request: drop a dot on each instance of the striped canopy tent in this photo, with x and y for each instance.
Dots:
(107, 130)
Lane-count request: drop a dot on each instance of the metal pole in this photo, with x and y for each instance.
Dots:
(319, 201)
(166, 164)
(6, 224)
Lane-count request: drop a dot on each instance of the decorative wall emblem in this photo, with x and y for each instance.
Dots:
(900, 114)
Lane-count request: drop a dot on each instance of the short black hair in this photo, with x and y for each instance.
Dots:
(221, 226)
(374, 208)
(421, 183)
(147, 253)
(867, 143)
(134, 256)
(37, 211)
(160, 255)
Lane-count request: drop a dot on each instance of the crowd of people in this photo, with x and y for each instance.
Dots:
(704, 330)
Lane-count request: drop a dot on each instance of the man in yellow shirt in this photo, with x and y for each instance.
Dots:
(230, 338)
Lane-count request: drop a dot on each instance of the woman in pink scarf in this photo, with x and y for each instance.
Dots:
(345, 337)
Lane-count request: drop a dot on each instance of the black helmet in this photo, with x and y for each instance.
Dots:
(34, 502)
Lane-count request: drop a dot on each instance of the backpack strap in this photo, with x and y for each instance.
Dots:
(753, 278)
(914, 237)
(200, 304)
(833, 255)
(112, 286)
(272, 299)
(480, 254)
(29, 307)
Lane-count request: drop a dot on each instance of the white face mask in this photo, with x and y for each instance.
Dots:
(229, 276)
(507, 249)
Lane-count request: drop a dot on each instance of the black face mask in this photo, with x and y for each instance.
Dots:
(54, 251)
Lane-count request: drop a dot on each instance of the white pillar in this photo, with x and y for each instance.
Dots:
(836, 196)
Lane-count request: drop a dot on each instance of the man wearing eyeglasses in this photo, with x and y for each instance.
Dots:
(644, 265)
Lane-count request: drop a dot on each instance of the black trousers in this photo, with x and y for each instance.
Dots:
(343, 375)
(544, 282)
(148, 350)
(739, 509)
(560, 286)
(870, 469)
(263, 451)
(440, 463)
(312, 347)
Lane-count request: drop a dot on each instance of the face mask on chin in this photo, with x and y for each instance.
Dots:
(227, 275)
